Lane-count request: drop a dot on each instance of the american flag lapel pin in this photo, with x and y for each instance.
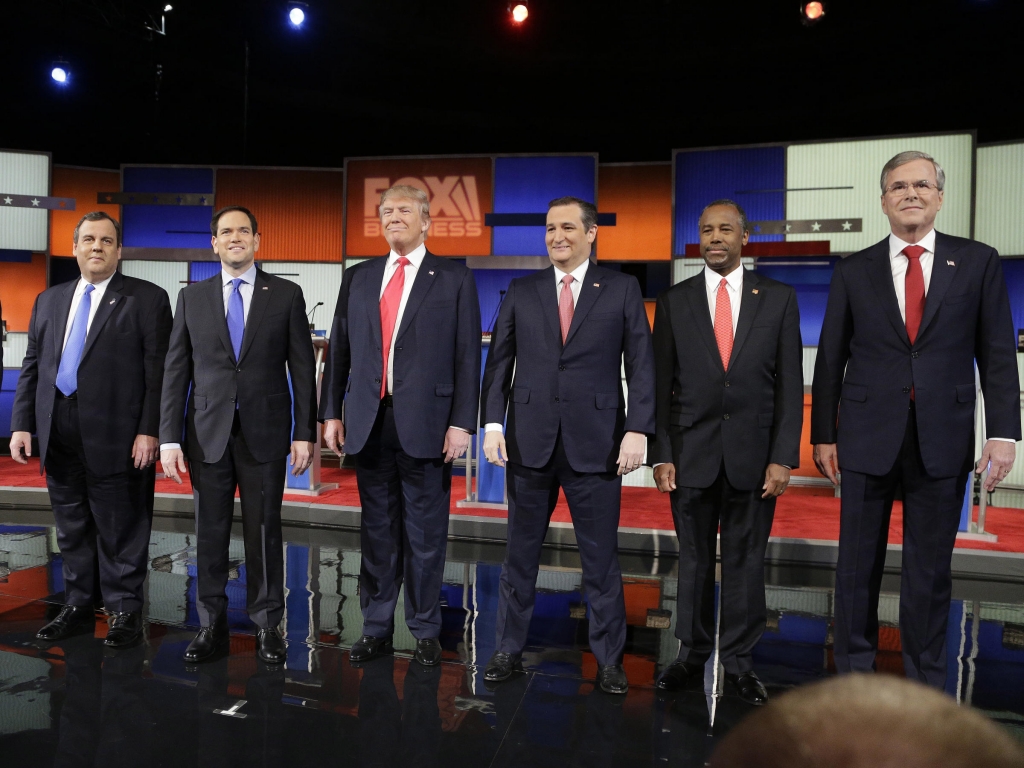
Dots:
(951, 263)
(430, 272)
(112, 301)
(754, 291)
(265, 288)
(597, 285)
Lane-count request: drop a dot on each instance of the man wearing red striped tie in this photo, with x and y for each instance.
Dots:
(729, 412)
(893, 406)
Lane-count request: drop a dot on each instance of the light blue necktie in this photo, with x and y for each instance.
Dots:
(67, 373)
(236, 317)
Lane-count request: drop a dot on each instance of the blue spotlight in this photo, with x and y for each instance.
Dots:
(297, 14)
(60, 72)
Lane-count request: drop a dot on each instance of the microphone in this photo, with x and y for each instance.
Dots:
(311, 313)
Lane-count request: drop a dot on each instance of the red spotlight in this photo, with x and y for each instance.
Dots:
(519, 10)
(812, 13)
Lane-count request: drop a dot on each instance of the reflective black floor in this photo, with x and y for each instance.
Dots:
(73, 703)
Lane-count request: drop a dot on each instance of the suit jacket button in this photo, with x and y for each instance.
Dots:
(906, 390)
(727, 383)
(238, 370)
(915, 355)
(377, 380)
(561, 367)
(726, 417)
(556, 400)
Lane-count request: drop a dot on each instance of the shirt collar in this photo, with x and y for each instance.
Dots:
(249, 276)
(896, 245)
(734, 279)
(415, 256)
(577, 274)
(97, 287)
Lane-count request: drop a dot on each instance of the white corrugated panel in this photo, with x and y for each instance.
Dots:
(25, 550)
(811, 602)
(24, 173)
(24, 705)
(686, 268)
(168, 597)
(319, 282)
(14, 349)
(172, 276)
(1000, 198)
(810, 355)
(858, 164)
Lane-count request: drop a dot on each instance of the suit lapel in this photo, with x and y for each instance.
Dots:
(880, 274)
(943, 270)
(590, 289)
(697, 299)
(421, 284)
(547, 292)
(111, 298)
(750, 301)
(261, 291)
(215, 297)
(62, 309)
(375, 278)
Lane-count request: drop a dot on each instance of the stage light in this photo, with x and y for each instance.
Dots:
(519, 10)
(168, 8)
(60, 72)
(812, 13)
(297, 14)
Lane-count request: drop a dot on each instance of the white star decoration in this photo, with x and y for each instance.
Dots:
(847, 226)
(815, 226)
(8, 201)
(35, 202)
(789, 227)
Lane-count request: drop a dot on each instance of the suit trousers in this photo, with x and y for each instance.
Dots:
(403, 531)
(594, 500)
(260, 488)
(746, 522)
(103, 522)
(931, 517)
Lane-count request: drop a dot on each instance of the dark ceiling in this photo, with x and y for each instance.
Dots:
(630, 79)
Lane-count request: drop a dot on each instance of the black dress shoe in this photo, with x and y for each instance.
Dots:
(749, 687)
(270, 646)
(125, 630)
(611, 678)
(206, 644)
(368, 647)
(71, 620)
(679, 675)
(502, 665)
(428, 652)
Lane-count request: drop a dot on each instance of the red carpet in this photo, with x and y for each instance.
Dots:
(802, 513)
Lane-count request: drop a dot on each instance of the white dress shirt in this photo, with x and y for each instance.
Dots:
(415, 258)
(900, 261)
(246, 288)
(575, 286)
(95, 298)
(733, 284)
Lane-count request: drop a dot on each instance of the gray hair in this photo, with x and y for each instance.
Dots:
(409, 191)
(908, 157)
(744, 224)
(98, 216)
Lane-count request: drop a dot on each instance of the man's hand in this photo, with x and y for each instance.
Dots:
(1000, 452)
(301, 456)
(827, 461)
(334, 435)
(456, 441)
(21, 447)
(145, 449)
(494, 448)
(631, 452)
(665, 477)
(776, 478)
(173, 462)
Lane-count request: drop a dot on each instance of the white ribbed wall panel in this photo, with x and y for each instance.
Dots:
(172, 276)
(23, 707)
(686, 268)
(810, 355)
(1000, 198)
(808, 601)
(319, 282)
(25, 550)
(14, 349)
(858, 164)
(24, 173)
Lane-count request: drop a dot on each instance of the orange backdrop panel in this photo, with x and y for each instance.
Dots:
(641, 198)
(460, 195)
(299, 212)
(20, 283)
(83, 184)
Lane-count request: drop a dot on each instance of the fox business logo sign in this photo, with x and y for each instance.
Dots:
(454, 204)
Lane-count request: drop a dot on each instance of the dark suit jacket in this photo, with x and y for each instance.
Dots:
(119, 377)
(747, 417)
(866, 361)
(436, 362)
(576, 388)
(276, 343)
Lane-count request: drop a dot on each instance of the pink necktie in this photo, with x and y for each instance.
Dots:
(389, 304)
(565, 306)
(723, 323)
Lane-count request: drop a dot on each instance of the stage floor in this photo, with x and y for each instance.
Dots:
(144, 706)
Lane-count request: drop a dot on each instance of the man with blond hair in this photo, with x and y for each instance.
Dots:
(401, 394)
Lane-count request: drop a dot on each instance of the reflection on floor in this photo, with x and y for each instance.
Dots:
(71, 702)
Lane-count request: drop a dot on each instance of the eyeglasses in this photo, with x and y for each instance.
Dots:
(900, 188)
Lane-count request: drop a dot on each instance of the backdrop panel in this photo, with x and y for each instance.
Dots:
(82, 184)
(1000, 198)
(167, 226)
(640, 196)
(172, 276)
(23, 173)
(20, 282)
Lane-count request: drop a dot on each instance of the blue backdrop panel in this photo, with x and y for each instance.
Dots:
(811, 282)
(200, 270)
(167, 226)
(489, 284)
(527, 185)
(1013, 271)
(8, 386)
(743, 175)
(297, 602)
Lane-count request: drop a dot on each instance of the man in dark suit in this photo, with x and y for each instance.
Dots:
(237, 339)
(555, 366)
(404, 367)
(90, 389)
(729, 411)
(893, 405)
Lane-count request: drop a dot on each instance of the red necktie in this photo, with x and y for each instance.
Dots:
(723, 323)
(914, 289)
(389, 303)
(565, 306)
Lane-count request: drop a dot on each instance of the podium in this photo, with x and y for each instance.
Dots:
(489, 490)
(308, 483)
